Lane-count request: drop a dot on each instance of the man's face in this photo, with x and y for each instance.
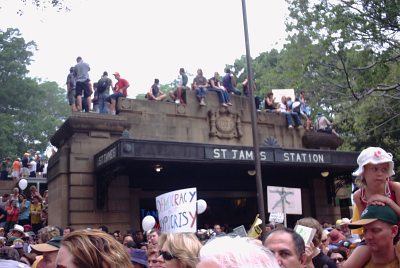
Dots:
(127, 239)
(153, 238)
(217, 229)
(283, 247)
(344, 228)
(66, 231)
(155, 262)
(16, 234)
(49, 259)
(379, 235)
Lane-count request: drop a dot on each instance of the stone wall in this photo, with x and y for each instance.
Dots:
(71, 178)
(211, 124)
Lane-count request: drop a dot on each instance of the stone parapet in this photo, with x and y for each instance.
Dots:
(212, 124)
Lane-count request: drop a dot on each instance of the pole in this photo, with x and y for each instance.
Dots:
(256, 149)
(283, 208)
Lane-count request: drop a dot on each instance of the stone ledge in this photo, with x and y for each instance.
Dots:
(78, 122)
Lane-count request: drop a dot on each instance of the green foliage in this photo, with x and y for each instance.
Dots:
(30, 112)
(345, 56)
(353, 62)
(59, 5)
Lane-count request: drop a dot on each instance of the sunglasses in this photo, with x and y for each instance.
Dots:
(337, 259)
(166, 255)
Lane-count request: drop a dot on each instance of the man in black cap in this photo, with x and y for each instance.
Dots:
(48, 251)
(380, 228)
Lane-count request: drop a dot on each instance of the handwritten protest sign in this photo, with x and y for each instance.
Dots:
(284, 200)
(277, 217)
(177, 211)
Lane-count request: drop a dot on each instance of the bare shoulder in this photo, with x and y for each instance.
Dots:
(395, 185)
(357, 194)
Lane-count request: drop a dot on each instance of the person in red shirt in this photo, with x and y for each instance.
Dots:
(120, 90)
(12, 214)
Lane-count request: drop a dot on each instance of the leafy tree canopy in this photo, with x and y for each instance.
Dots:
(29, 111)
(345, 55)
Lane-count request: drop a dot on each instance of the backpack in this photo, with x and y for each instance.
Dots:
(102, 85)
(296, 106)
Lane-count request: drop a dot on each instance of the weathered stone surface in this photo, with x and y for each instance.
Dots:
(72, 178)
(209, 124)
(320, 140)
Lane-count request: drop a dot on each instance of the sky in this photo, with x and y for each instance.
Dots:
(144, 40)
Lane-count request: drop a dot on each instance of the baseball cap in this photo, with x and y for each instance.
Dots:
(373, 213)
(51, 245)
(116, 73)
(345, 221)
(373, 155)
(336, 236)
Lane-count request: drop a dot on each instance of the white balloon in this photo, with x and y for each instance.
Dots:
(22, 184)
(201, 206)
(148, 223)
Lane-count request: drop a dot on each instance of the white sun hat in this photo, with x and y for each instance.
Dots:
(373, 155)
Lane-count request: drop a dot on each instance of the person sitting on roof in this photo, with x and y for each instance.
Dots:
(322, 124)
(155, 93)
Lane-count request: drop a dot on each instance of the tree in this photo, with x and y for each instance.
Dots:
(57, 4)
(30, 112)
(345, 56)
(359, 41)
(352, 65)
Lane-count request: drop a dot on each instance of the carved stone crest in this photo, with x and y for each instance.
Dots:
(224, 124)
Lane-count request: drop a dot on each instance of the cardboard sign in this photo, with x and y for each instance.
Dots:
(284, 200)
(240, 231)
(278, 93)
(177, 211)
(305, 232)
(276, 217)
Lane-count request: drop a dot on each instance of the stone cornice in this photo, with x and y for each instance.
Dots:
(86, 122)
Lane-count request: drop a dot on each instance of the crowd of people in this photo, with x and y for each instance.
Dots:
(27, 242)
(80, 90)
(331, 246)
(31, 164)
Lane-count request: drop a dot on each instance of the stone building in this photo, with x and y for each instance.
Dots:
(109, 169)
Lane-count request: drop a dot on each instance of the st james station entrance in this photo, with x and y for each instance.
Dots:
(109, 169)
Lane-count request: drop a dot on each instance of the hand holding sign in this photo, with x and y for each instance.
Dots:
(177, 211)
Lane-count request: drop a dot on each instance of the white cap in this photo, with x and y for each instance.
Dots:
(373, 155)
(345, 221)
